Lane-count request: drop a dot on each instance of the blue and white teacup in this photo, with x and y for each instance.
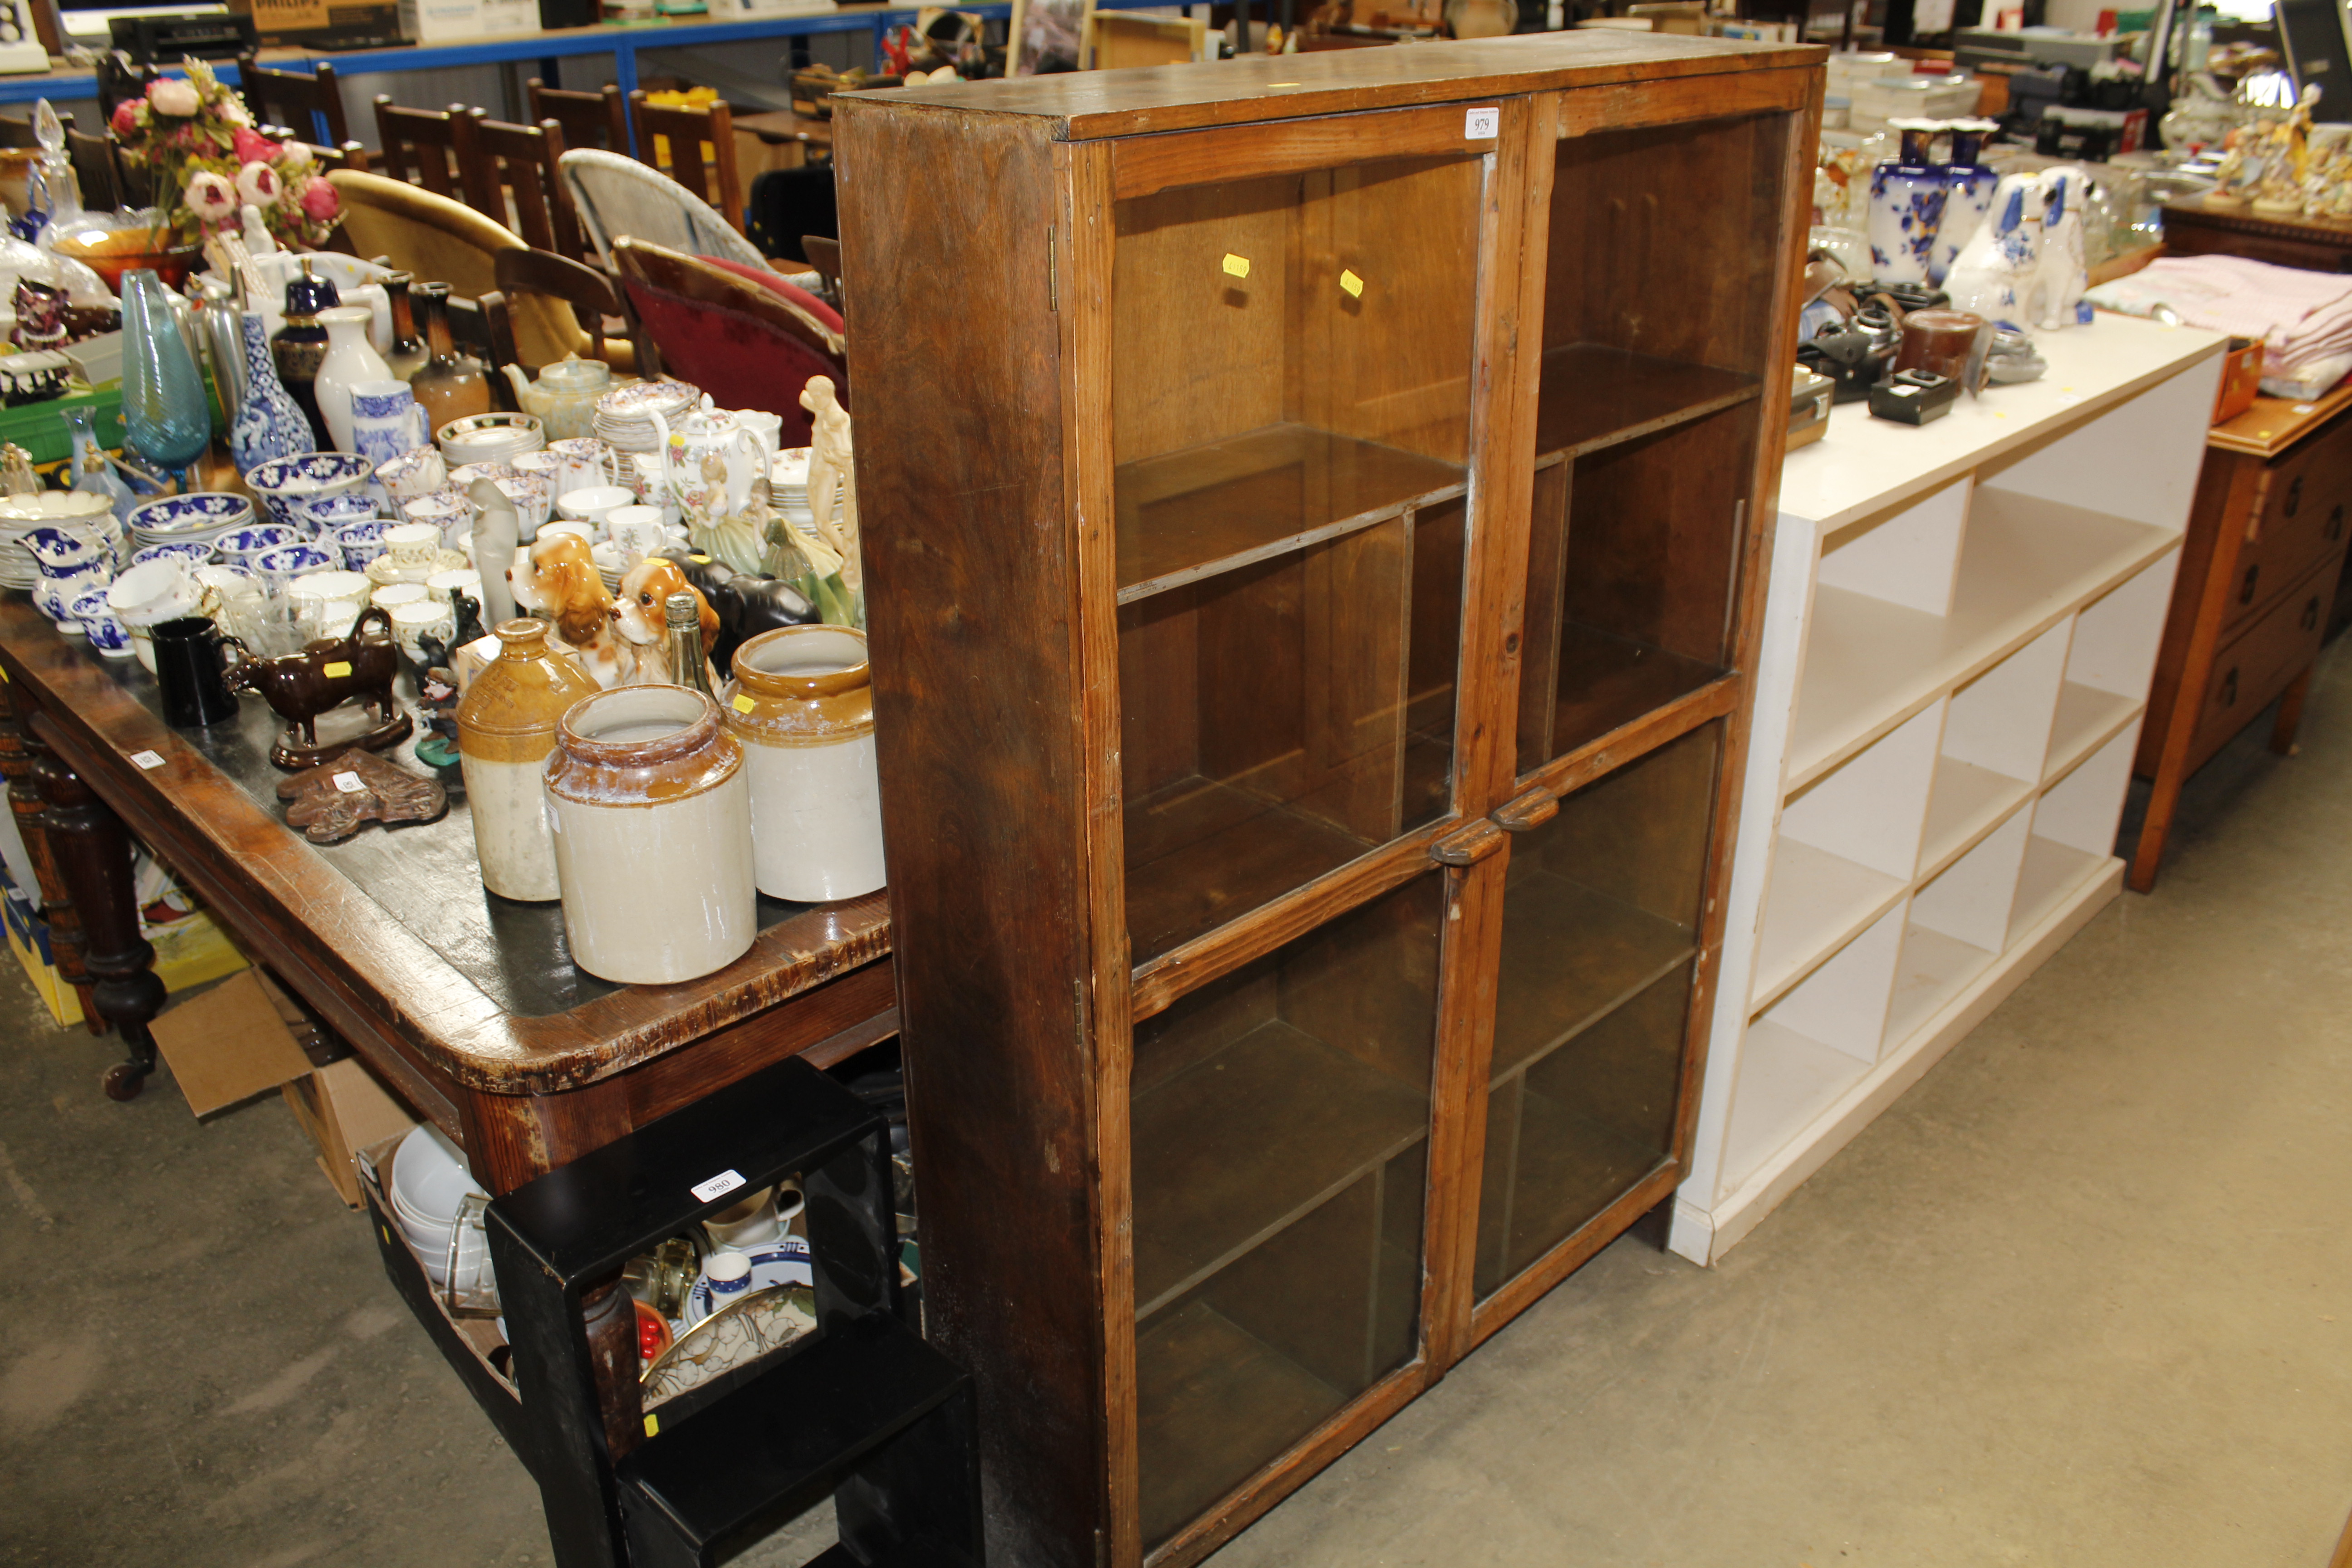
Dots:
(280, 566)
(361, 542)
(238, 546)
(189, 551)
(105, 634)
(322, 516)
(411, 474)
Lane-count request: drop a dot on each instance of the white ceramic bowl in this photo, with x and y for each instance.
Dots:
(429, 1175)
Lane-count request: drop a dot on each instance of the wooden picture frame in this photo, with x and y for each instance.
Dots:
(1113, 39)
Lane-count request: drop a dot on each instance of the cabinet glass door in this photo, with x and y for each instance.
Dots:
(1659, 305)
(1291, 372)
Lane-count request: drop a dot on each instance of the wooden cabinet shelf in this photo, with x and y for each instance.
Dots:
(1235, 502)
(1337, 439)
(1593, 396)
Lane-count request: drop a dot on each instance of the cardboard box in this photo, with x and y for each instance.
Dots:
(296, 22)
(440, 21)
(240, 1039)
(187, 954)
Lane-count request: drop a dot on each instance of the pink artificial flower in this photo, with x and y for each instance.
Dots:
(168, 95)
(211, 198)
(258, 183)
(232, 109)
(126, 116)
(252, 146)
(319, 202)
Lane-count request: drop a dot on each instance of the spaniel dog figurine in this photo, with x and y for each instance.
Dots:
(557, 578)
(642, 614)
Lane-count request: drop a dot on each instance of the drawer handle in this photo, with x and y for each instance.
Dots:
(2294, 495)
(2229, 690)
(2335, 523)
(1531, 809)
(1467, 845)
(2246, 590)
(2311, 614)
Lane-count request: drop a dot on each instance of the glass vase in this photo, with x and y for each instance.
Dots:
(165, 415)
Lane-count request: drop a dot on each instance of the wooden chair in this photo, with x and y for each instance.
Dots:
(738, 331)
(825, 259)
(311, 103)
(597, 304)
(711, 177)
(435, 149)
(17, 133)
(514, 178)
(97, 169)
(589, 119)
(1115, 39)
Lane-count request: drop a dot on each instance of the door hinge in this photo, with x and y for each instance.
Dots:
(1052, 279)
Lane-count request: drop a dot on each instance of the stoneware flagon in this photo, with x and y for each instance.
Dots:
(802, 703)
(651, 815)
(506, 729)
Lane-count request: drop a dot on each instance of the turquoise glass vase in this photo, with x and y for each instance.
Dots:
(166, 415)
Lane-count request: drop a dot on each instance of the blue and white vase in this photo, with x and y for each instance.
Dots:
(271, 424)
(1906, 207)
(1967, 196)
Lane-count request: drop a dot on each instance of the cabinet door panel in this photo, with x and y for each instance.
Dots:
(1290, 427)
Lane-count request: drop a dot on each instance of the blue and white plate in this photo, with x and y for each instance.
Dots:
(781, 1262)
(198, 516)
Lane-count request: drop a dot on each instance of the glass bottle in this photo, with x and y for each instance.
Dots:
(687, 665)
(166, 415)
(449, 386)
(90, 469)
(408, 353)
(301, 345)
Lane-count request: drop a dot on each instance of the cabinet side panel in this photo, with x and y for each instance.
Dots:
(971, 589)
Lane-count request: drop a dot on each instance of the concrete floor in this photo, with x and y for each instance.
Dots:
(2081, 1298)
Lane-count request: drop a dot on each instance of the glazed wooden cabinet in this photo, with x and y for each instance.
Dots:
(1313, 507)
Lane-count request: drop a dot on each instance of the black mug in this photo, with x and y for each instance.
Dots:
(188, 668)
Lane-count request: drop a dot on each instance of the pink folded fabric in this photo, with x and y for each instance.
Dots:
(2302, 318)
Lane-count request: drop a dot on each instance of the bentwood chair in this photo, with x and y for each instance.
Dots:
(617, 196)
(589, 119)
(738, 331)
(673, 141)
(434, 147)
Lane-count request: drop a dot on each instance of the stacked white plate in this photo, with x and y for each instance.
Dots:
(429, 1183)
(625, 416)
(200, 518)
(80, 514)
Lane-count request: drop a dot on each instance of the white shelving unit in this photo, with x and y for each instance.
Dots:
(1961, 627)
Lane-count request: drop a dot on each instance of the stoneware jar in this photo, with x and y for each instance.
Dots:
(506, 729)
(651, 816)
(803, 705)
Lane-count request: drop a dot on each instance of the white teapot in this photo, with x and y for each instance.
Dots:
(716, 468)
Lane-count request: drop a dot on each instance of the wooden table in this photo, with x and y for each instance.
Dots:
(2250, 608)
(468, 1005)
(2193, 227)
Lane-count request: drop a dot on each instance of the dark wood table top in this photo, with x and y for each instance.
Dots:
(2275, 424)
(480, 988)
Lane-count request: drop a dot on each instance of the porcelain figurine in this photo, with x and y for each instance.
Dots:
(269, 424)
(2280, 191)
(1967, 195)
(495, 541)
(641, 616)
(505, 731)
(832, 487)
(1906, 207)
(715, 471)
(350, 359)
(746, 605)
(2061, 274)
(1993, 275)
(652, 814)
(564, 397)
(557, 577)
(323, 675)
(802, 705)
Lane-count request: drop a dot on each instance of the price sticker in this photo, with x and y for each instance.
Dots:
(336, 670)
(148, 759)
(1352, 284)
(349, 783)
(1481, 125)
(1238, 265)
(742, 704)
(718, 1186)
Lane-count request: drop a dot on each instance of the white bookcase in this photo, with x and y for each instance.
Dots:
(1962, 622)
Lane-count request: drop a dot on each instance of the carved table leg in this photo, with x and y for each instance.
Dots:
(18, 752)
(93, 855)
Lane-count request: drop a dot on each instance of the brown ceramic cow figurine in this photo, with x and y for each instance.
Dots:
(323, 675)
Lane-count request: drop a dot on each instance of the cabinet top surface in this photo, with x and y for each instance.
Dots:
(483, 988)
(1865, 464)
(2273, 424)
(1082, 105)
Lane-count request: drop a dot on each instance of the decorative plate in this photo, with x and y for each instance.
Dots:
(761, 1322)
(641, 398)
(169, 515)
(784, 1261)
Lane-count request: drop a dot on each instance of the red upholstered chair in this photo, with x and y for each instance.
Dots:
(745, 336)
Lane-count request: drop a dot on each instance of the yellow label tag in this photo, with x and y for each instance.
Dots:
(1352, 284)
(699, 560)
(1237, 265)
(744, 704)
(336, 670)
(653, 1424)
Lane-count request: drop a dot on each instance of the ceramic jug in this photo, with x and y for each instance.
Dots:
(652, 817)
(715, 471)
(802, 703)
(564, 397)
(385, 422)
(350, 359)
(506, 730)
(1906, 207)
